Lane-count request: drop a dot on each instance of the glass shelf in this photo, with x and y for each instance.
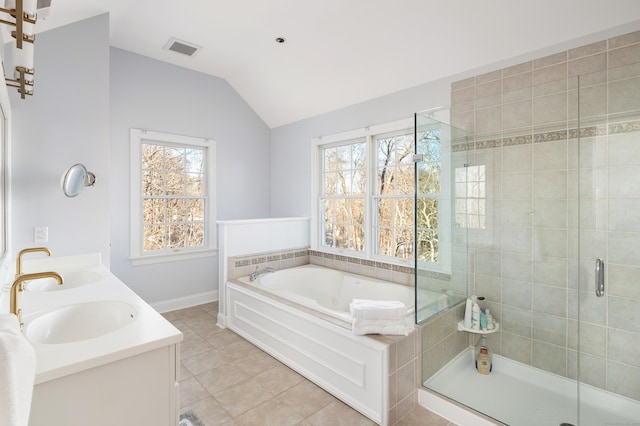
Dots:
(461, 327)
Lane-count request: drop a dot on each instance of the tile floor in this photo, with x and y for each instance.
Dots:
(226, 380)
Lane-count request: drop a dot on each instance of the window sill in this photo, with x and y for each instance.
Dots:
(172, 257)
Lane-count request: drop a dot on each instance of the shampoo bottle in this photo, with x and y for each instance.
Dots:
(467, 313)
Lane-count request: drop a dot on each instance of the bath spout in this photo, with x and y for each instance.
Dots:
(259, 271)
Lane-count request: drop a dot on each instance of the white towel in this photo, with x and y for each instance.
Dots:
(377, 309)
(361, 327)
(17, 373)
(378, 317)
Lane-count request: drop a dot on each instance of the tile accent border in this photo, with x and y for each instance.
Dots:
(558, 135)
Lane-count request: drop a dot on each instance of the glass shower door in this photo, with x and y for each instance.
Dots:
(441, 246)
(604, 278)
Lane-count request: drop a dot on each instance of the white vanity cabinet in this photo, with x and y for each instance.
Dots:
(104, 357)
(140, 390)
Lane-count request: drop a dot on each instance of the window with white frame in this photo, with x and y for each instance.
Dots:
(363, 198)
(364, 195)
(172, 197)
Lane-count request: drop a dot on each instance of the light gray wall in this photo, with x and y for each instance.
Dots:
(65, 122)
(149, 94)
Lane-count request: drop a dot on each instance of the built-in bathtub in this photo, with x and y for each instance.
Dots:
(301, 316)
(330, 291)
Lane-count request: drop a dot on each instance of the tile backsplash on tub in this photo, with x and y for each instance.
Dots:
(241, 266)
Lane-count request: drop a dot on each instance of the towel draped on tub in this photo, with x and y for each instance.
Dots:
(378, 317)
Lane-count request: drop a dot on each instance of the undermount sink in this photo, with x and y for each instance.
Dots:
(83, 321)
(72, 279)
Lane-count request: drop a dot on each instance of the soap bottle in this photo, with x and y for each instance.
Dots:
(483, 319)
(467, 313)
(484, 364)
(475, 317)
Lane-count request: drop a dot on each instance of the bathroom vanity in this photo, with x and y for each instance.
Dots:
(104, 356)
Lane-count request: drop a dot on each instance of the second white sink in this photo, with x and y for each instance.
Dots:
(72, 279)
(83, 321)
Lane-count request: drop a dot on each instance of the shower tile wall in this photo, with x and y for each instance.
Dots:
(522, 126)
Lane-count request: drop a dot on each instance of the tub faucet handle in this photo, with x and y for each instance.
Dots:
(259, 271)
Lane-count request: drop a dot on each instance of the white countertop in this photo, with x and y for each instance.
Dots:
(148, 331)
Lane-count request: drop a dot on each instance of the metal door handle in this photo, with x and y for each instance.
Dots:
(599, 278)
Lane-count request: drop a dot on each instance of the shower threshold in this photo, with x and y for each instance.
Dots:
(518, 394)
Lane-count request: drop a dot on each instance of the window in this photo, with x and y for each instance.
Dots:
(172, 203)
(364, 193)
(470, 197)
(394, 194)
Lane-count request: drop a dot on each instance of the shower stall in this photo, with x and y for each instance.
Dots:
(535, 206)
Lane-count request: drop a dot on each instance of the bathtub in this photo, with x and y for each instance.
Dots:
(329, 291)
(301, 317)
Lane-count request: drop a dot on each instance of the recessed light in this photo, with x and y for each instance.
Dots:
(280, 40)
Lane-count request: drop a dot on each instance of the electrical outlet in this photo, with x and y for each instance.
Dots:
(40, 234)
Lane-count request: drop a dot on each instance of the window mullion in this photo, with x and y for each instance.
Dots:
(370, 200)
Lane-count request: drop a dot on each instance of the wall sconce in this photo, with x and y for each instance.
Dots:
(24, 15)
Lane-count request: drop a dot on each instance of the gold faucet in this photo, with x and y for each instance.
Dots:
(28, 250)
(18, 286)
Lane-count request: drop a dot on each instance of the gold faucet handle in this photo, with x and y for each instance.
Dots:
(25, 251)
(19, 315)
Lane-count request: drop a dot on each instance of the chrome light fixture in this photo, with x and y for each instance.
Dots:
(24, 17)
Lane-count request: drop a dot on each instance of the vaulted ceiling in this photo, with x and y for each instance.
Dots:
(340, 52)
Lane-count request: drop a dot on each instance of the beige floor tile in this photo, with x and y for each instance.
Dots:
(224, 338)
(194, 311)
(420, 416)
(203, 361)
(242, 397)
(272, 412)
(184, 373)
(202, 325)
(209, 411)
(257, 362)
(211, 307)
(278, 379)
(238, 350)
(193, 347)
(306, 398)
(338, 414)
(191, 391)
(220, 378)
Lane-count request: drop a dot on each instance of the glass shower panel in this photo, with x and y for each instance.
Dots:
(448, 194)
(606, 241)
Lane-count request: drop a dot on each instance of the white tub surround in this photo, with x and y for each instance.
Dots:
(240, 237)
(309, 329)
(126, 376)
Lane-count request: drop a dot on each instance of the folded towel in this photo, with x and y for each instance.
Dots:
(377, 309)
(17, 373)
(360, 327)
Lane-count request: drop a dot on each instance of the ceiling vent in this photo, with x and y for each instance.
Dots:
(181, 46)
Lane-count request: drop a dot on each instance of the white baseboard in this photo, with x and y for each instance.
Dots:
(185, 302)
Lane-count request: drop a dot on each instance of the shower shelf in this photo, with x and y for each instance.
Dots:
(461, 327)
